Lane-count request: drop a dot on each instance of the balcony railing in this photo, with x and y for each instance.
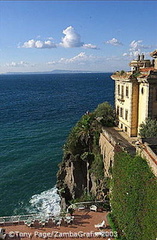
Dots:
(121, 98)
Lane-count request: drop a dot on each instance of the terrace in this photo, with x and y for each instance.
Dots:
(83, 223)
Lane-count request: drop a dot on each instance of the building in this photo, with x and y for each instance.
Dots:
(136, 94)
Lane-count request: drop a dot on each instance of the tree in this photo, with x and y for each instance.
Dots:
(105, 114)
(148, 128)
(85, 135)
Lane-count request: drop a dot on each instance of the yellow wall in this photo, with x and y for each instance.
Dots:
(140, 103)
(125, 104)
(153, 101)
(155, 63)
(134, 115)
(143, 103)
(129, 104)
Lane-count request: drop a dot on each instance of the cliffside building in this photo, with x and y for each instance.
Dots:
(136, 94)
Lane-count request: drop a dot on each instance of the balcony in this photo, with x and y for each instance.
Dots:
(121, 98)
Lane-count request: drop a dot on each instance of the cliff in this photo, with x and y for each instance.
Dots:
(88, 172)
(81, 172)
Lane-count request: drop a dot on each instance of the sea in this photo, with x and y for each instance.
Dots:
(37, 112)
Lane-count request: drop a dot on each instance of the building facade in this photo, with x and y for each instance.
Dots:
(136, 94)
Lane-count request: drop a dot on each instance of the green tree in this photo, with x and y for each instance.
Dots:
(148, 128)
(105, 114)
(85, 135)
(84, 131)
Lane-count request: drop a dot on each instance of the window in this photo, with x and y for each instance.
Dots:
(127, 91)
(121, 112)
(142, 90)
(117, 110)
(126, 114)
(156, 94)
(118, 89)
(126, 129)
(122, 91)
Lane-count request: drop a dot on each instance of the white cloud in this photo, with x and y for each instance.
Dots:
(50, 38)
(39, 44)
(17, 64)
(114, 42)
(89, 46)
(136, 47)
(125, 54)
(81, 58)
(71, 39)
(51, 63)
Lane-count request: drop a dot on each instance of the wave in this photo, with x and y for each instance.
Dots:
(46, 203)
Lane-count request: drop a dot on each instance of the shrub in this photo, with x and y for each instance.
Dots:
(148, 128)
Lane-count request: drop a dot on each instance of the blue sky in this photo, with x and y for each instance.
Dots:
(38, 36)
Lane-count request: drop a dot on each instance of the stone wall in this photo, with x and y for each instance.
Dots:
(108, 146)
(146, 152)
(110, 143)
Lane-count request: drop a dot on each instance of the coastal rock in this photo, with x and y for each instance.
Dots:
(71, 179)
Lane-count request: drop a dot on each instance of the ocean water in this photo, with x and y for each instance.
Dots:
(36, 115)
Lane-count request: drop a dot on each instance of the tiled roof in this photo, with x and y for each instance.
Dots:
(146, 69)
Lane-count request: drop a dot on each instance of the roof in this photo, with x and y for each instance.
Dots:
(154, 53)
(121, 76)
(146, 69)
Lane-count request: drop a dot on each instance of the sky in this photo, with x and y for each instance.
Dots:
(37, 36)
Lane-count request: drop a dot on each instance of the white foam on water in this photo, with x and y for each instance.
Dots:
(46, 203)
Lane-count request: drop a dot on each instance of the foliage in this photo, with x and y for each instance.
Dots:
(149, 128)
(134, 197)
(112, 224)
(136, 74)
(105, 114)
(98, 166)
(122, 72)
(80, 137)
(87, 156)
(87, 197)
(84, 198)
(86, 132)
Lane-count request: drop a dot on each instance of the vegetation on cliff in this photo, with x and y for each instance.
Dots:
(134, 198)
(82, 148)
(86, 131)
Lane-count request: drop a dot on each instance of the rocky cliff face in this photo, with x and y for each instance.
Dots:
(74, 180)
(81, 173)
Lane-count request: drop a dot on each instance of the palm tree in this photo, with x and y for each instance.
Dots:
(85, 136)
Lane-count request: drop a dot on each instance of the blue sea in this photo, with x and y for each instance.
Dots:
(37, 112)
